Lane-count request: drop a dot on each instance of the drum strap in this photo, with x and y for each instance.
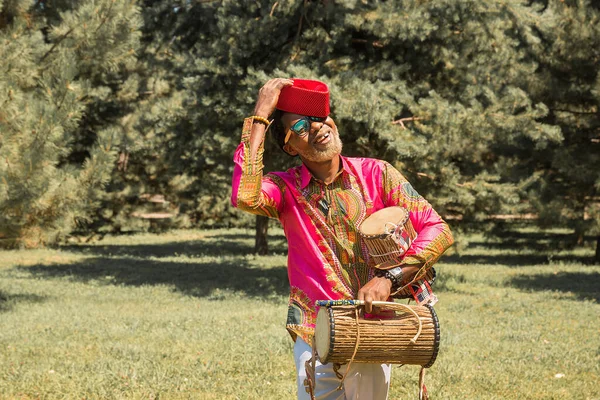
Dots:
(355, 350)
(310, 367)
(401, 252)
(419, 275)
(422, 389)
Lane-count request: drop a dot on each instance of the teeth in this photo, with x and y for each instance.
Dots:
(322, 138)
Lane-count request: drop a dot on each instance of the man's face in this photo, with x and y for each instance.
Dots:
(321, 142)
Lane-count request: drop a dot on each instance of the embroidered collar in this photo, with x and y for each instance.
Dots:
(306, 176)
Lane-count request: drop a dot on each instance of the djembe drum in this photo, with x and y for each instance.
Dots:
(387, 234)
(405, 334)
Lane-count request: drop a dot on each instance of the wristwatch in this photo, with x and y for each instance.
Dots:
(393, 274)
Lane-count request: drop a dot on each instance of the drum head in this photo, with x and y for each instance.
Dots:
(323, 334)
(375, 224)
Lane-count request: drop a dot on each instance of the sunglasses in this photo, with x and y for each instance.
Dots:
(302, 126)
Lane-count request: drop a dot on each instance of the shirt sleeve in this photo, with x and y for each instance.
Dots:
(433, 234)
(251, 191)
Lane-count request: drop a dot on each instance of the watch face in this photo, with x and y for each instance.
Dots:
(395, 275)
(396, 272)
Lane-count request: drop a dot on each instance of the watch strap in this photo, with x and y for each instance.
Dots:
(393, 274)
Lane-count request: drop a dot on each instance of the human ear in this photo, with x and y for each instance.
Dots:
(290, 150)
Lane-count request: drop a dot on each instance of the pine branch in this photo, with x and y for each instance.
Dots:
(375, 43)
(423, 174)
(105, 16)
(302, 16)
(575, 112)
(273, 8)
(56, 44)
(402, 120)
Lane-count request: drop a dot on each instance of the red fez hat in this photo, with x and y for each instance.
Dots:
(305, 97)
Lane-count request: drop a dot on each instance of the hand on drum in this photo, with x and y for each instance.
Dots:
(377, 289)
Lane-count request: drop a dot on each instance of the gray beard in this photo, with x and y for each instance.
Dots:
(314, 155)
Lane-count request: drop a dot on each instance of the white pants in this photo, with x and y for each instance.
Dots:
(363, 382)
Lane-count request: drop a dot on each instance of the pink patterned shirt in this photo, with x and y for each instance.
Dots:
(326, 260)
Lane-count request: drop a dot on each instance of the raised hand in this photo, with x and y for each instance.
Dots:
(268, 96)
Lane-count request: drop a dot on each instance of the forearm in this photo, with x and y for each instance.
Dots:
(409, 272)
(248, 169)
(433, 239)
(250, 191)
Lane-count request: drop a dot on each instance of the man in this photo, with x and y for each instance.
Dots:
(320, 205)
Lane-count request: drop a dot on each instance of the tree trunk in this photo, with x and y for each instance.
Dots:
(261, 245)
(598, 249)
(579, 238)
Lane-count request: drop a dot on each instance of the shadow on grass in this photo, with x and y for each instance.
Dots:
(540, 246)
(517, 260)
(584, 286)
(8, 301)
(234, 244)
(194, 278)
(541, 239)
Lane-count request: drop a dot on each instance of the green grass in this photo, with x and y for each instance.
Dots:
(193, 315)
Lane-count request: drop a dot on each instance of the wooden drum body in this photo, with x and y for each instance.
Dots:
(387, 234)
(406, 334)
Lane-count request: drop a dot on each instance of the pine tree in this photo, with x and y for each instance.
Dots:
(211, 46)
(451, 75)
(448, 91)
(53, 56)
(451, 71)
(488, 107)
(146, 105)
(565, 190)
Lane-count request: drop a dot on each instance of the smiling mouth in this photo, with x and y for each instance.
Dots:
(323, 139)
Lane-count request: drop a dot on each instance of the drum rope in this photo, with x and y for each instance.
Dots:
(401, 251)
(394, 229)
(422, 389)
(421, 273)
(310, 368)
(355, 349)
(336, 369)
(419, 321)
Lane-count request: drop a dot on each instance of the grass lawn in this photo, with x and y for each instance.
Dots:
(193, 315)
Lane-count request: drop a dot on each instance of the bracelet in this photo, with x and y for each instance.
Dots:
(395, 275)
(262, 120)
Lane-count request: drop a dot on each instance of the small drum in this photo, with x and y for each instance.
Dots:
(405, 334)
(387, 234)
